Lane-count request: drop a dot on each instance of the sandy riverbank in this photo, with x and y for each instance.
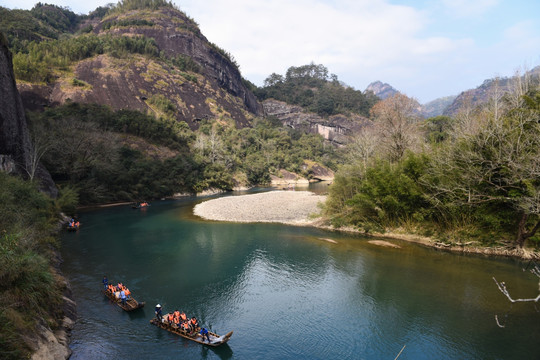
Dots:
(299, 208)
(287, 207)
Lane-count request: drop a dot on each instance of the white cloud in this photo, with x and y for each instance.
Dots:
(360, 41)
(468, 8)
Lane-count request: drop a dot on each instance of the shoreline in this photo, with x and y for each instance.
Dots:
(298, 208)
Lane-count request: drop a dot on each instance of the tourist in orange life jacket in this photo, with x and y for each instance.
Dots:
(170, 318)
(177, 314)
(127, 292)
(176, 321)
(183, 316)
(185, 326)
(193, 323)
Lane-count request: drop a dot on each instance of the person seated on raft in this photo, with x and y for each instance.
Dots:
(176, 322)
(183, 316)
(185, 326)
(126, 290)
(193, 323)
(123, 297)
(170, 318)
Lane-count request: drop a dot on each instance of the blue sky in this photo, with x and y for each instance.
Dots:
(425, 49)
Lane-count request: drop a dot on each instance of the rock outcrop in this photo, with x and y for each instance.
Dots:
(317, 172)
(337, 128)
(287, 178)
(16, 150)
(382, 90)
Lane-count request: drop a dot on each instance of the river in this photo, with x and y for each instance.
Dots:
(287, 292)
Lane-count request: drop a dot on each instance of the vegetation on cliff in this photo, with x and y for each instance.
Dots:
(30, 293)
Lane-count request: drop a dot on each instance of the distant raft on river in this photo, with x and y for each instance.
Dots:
(129, 304)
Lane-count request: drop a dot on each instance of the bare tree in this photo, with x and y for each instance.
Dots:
(397, 122)
(363, 145)
(502, 288)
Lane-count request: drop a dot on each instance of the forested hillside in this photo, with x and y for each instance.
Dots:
(471, 177)
(313, 88)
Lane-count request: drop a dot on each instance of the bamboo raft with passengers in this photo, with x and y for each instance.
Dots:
(192, 333)
(129, 304)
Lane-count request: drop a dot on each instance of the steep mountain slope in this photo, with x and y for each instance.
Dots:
(480, 95)
(437, 107)
(188, 75)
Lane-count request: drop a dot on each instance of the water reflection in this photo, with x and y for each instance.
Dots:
(286, 292)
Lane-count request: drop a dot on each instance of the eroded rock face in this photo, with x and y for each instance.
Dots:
(129, 83)
(16, 150)
(337, 128)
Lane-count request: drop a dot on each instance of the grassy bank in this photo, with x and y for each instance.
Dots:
(30, 291)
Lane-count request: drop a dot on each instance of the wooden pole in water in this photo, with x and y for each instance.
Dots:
(400, 351)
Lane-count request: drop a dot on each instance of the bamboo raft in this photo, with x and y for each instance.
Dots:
(215, 339)
(130, 305)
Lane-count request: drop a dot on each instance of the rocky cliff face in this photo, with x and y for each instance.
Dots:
(16, 150)
(217, 90)
(337, 128)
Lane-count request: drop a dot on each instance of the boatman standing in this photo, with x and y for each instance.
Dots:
(204, 334)
(158, 312)
(105, 282)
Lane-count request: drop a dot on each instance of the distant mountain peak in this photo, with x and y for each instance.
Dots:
(382, 90)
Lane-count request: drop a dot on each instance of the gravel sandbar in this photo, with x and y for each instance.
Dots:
(288, 207)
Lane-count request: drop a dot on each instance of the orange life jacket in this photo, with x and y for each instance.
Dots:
(177, 314)
(127, 292)
(170, 317)
(193, 322)
(183, 316)
(176, 320)
(185, 325)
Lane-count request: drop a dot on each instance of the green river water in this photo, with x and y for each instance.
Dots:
(287, 293)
